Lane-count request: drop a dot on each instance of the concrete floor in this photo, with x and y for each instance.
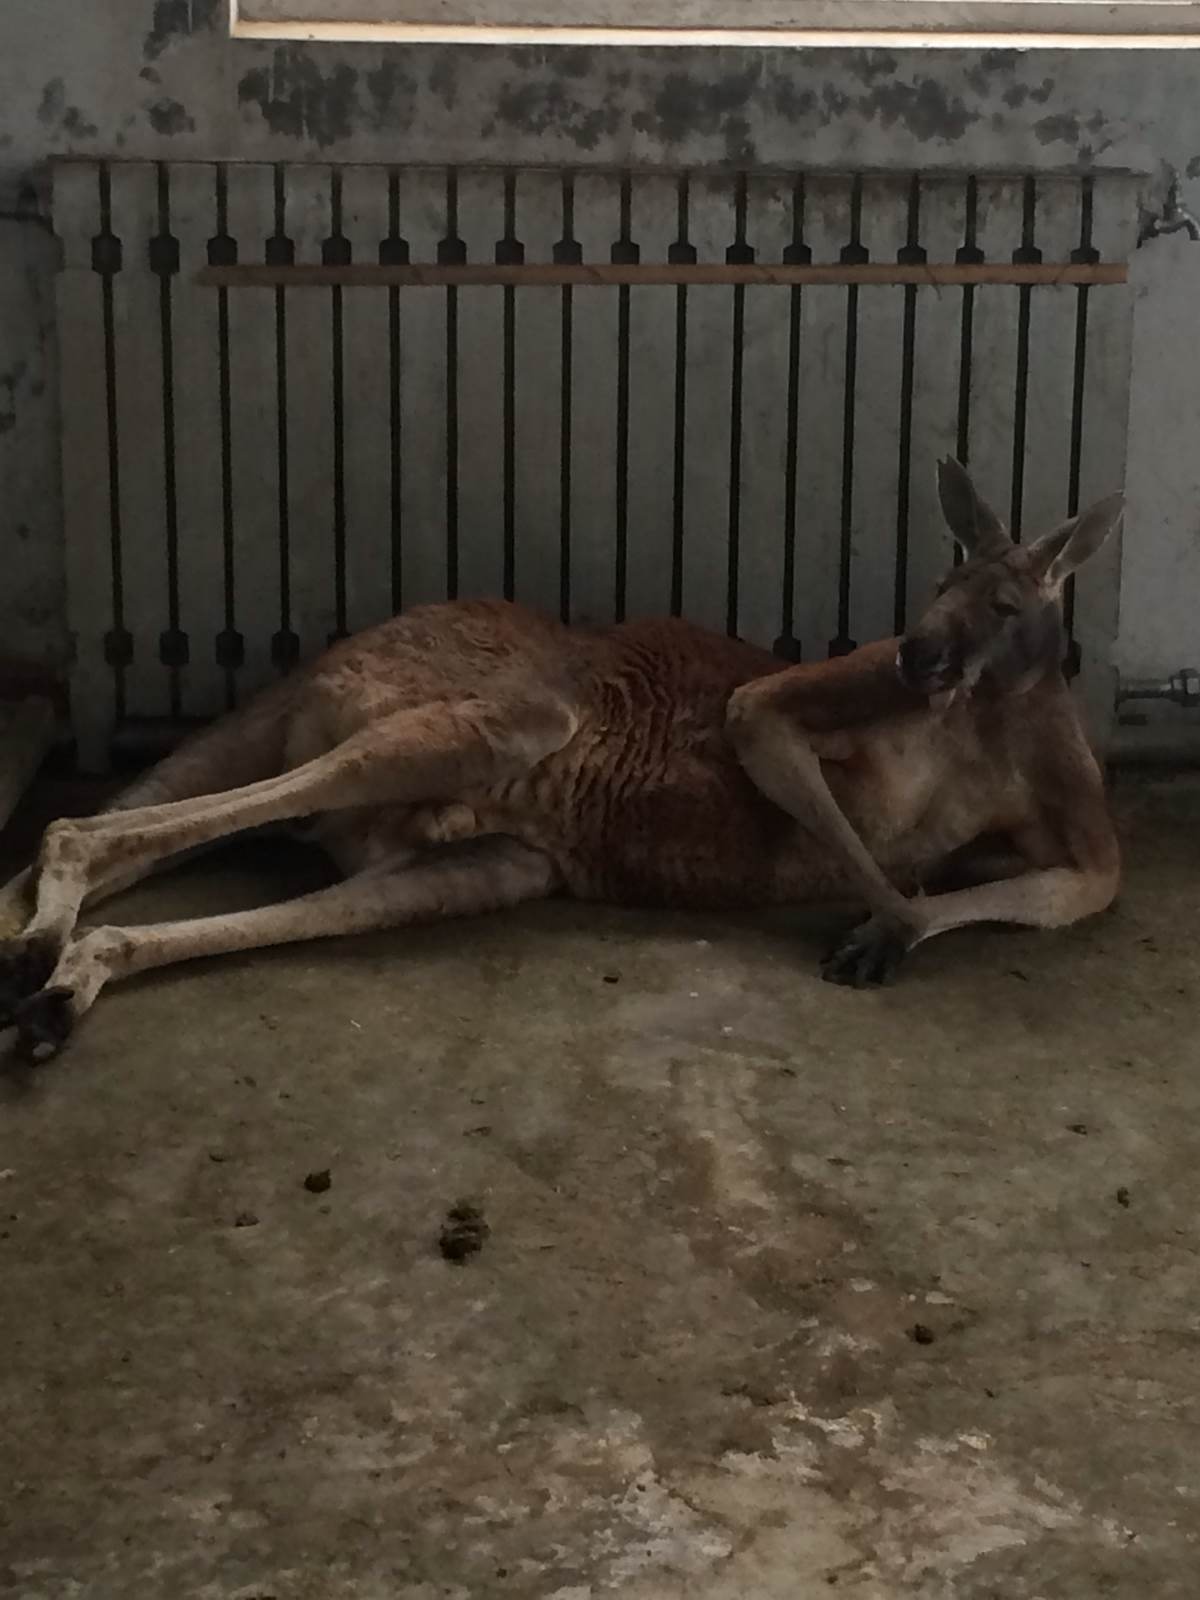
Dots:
(790, 1291)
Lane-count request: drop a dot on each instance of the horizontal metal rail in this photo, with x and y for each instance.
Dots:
(607, 274)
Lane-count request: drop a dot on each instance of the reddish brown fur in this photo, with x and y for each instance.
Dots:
(653, 762)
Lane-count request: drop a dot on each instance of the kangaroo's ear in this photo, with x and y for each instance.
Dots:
(974, 524)
(1056, 555)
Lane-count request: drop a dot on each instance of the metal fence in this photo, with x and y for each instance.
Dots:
(296, 399)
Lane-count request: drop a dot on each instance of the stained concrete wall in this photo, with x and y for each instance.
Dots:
(154, 79)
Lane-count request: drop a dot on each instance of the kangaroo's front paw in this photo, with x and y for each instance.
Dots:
(44, 1023)
(25, 964)
(870, 954)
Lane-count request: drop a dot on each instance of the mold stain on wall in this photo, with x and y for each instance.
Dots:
(299, 100)
(61, 119)
(168, 117)
(175, 19)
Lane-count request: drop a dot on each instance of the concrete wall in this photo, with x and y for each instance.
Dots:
(32, 596)
(1160, 577)
(160, 78)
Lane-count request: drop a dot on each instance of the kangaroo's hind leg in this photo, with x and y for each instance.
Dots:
(420, 754)
(456, 880)
(244, 747)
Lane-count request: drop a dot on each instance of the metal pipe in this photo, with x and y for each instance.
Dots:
(1174, 217)
(1182, 688)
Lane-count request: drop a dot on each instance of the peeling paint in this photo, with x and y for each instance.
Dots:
(169, 117)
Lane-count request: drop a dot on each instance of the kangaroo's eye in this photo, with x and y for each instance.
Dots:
(1005, 607)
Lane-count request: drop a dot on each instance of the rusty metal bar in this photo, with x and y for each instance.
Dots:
(368, 275)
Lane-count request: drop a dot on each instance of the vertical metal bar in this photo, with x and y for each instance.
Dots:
(222, 251)
(741, 253)
(393, 251)
(1085, 252)
(336, 252)
(567, 250)
(164, 262)
(624, 250)
(509, 250)
(797, 253)
(911, 253)
(451, 250)
(106, 260)
(280, 250)
(680, 253)
(853, 253)
(1027, 251)
(970, 254)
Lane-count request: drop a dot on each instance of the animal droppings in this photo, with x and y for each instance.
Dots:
(463, 1232)
(318, 1182)
(920, 1334)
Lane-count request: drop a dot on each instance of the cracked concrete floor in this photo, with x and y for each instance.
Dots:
(789, 1291)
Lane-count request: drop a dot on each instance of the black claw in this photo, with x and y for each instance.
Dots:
(25, 965)
(44, 1024)
(868, 956)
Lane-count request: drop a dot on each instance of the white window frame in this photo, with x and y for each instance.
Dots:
(1021, 24)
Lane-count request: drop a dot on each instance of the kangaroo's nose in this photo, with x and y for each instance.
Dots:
(919, 659)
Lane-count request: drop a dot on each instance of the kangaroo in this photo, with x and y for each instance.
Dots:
(472, 755)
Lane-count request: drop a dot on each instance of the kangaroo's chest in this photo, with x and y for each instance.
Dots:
(915, 791)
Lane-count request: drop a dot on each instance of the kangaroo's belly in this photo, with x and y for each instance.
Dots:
(680, 826)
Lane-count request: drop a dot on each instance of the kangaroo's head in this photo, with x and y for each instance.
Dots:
(996, 619)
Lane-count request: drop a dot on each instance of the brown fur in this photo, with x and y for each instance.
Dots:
(470, 755)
